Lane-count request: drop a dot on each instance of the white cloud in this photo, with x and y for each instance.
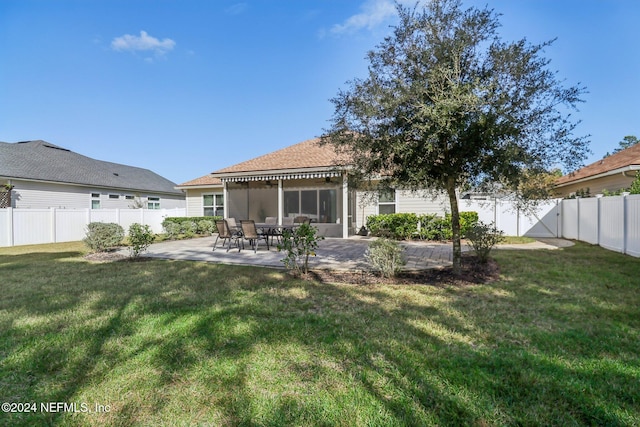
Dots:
(236, 9)
(374, 13)
(143, 43)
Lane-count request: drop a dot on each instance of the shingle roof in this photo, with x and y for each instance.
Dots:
(43, 161)
(619, 160)
(203, 180)
(306, 154)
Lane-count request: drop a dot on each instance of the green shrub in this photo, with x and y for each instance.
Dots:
(385, 256)
(102, 236)
(299, 244)
(483, 238)
(140, 237)
(399, 226)
(172, 229)
(189, 229)
(403, 226)
(635, 185)
(189, 226)
(433, 227)
(206, 226)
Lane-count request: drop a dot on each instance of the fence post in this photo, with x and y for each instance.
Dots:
(598, 217)
(578, 216)
(53, 224)
(625, 227)
(10, 225)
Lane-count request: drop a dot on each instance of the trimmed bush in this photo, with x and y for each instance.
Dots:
(385, 256)
(103, 236)
(189, 226)
(483, 238)
(404, 226)
(140, 237)
(299, 244)
(398, 226)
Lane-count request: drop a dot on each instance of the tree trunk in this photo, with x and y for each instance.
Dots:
(455, 227)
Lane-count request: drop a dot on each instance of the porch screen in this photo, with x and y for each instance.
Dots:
(319, 205)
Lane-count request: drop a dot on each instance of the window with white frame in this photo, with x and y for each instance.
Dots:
(387, 202)
(213, 204)
(95, 200)
(153, 202)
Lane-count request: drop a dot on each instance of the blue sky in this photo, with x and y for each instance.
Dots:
(186, 87)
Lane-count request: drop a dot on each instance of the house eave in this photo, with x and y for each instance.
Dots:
(623, 170)
(75, 184)
(274, 174)
(198, 187)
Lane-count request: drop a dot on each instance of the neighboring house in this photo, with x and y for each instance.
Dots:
(612, 173)
(301, 179)
(44, 175)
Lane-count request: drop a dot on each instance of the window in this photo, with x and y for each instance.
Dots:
(213, 204)
(319, 205)
(387, 202)
(95, 200)
(153, 202)
(129, 197)
(114, 196)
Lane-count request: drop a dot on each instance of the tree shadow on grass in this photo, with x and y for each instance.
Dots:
(187, 342)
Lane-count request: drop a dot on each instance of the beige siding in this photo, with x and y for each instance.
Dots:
(195, 205)
(194, 201)
(421, 204)
(406, 202)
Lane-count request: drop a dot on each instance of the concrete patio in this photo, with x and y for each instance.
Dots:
(332, 253)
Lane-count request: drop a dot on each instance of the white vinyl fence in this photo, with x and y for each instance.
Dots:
(35, 226)
(611, 222)
(544, 221)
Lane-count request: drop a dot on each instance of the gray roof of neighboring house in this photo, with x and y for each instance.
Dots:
(43, 161)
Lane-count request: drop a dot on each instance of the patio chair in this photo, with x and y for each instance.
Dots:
(226, 233)
(250, 233)
(287, 220)
(274, 231)
(300, 219)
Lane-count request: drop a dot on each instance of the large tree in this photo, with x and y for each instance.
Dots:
(447, 103)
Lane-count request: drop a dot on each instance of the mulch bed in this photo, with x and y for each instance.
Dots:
(473, 273)
(112, 256)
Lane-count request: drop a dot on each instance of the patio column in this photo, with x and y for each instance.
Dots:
(345, 206)
(280, 202)
(225, 200)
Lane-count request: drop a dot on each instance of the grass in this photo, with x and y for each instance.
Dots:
(554, 342)
(517, 240)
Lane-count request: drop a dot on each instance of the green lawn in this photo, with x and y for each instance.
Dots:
(555, 342)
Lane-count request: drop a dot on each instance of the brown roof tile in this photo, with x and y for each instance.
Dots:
(306, 154)
(621, 159)
(203, 180)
